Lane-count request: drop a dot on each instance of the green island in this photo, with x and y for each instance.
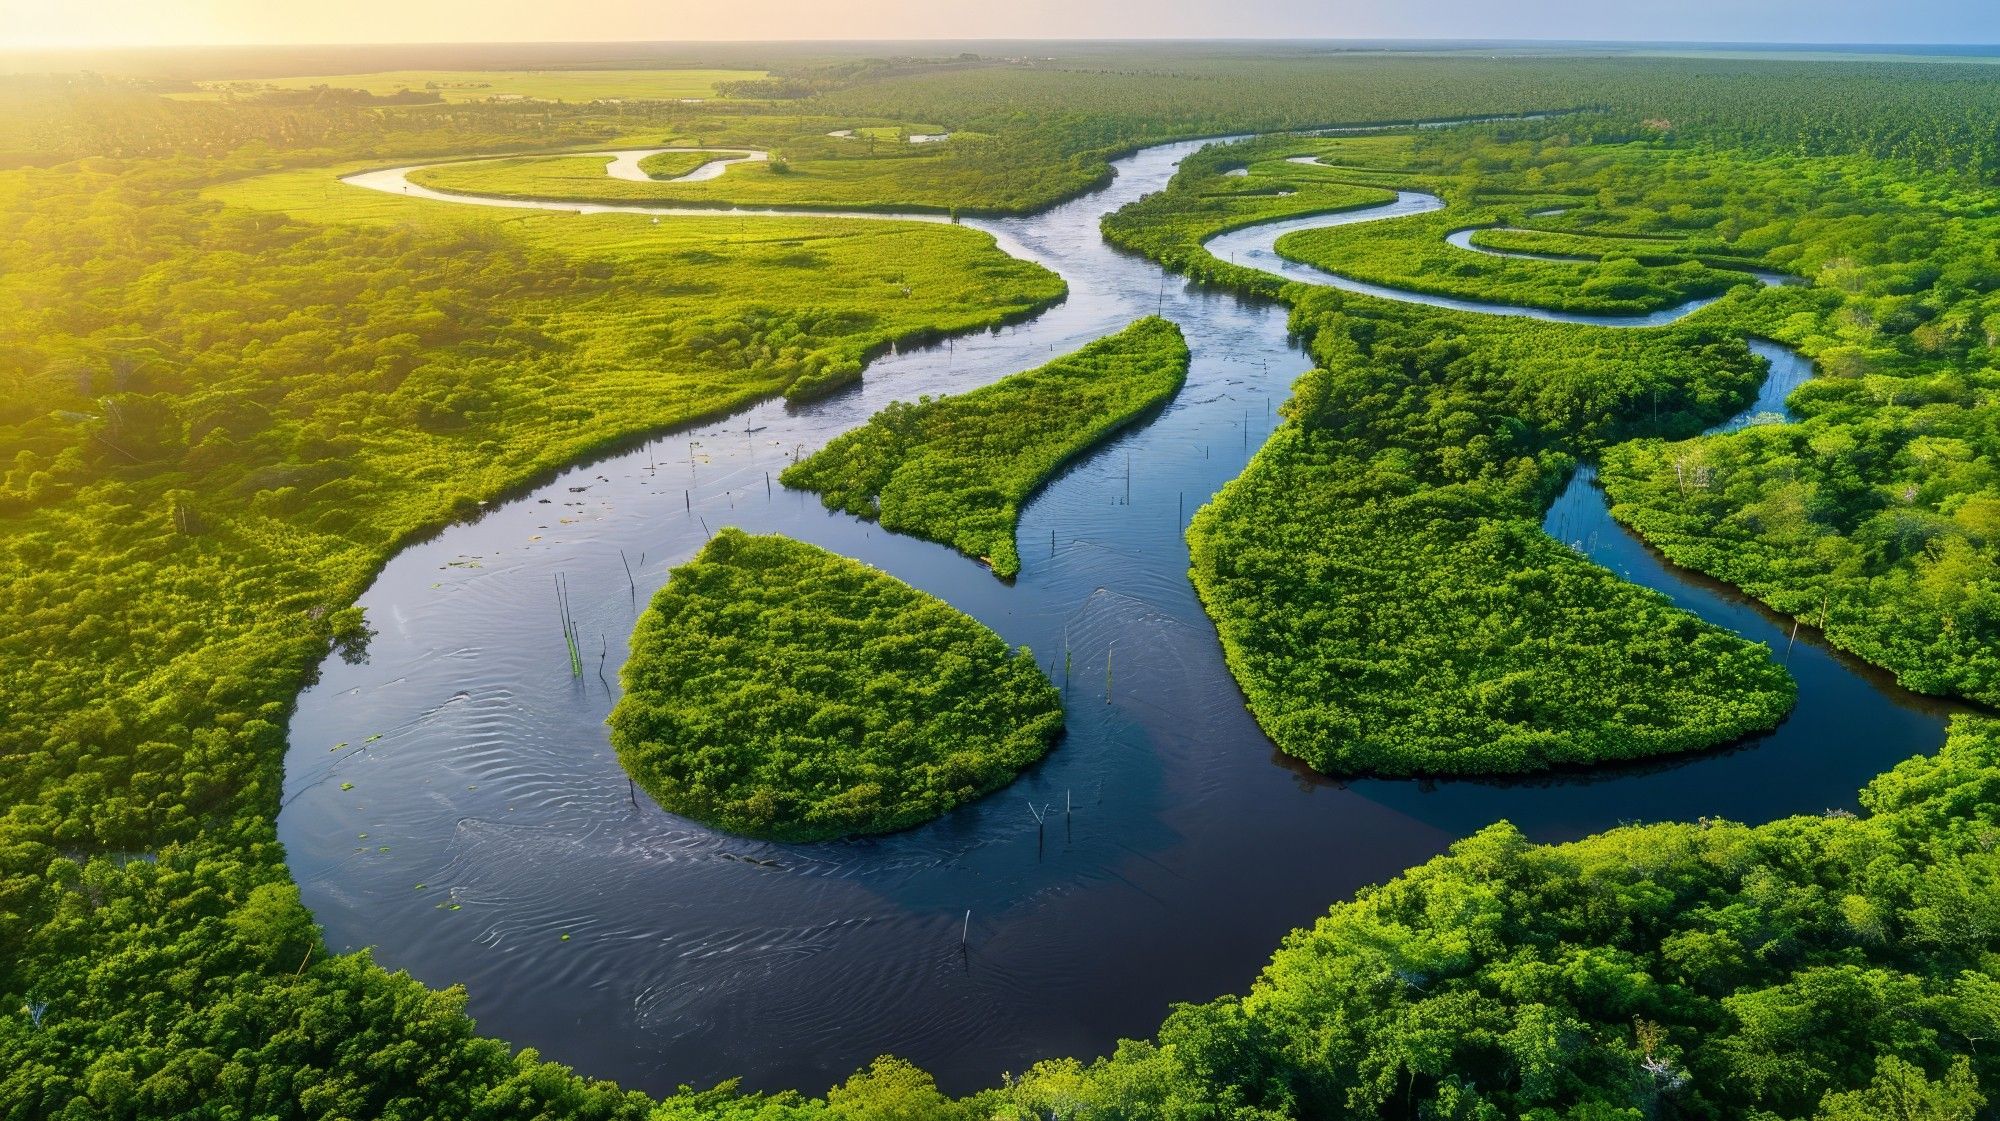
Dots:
(780, 691)
(957, 469)
(236, 387)
(1384, 590)
(927, 181)
(673, 165)
(570, 178)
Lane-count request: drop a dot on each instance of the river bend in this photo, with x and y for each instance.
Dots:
(454, 802)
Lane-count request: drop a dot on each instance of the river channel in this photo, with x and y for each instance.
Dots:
(454, 802)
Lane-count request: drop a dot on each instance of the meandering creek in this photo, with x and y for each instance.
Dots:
(491, 819)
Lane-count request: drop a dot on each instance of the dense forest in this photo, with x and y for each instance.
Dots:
(1877, 527)
(1382, 585)
(780, 691)
(219, 420)
(957, 469)
(1864, 520)
(232, 389)
(1834, 968)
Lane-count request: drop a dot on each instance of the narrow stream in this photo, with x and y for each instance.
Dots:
(490, 818)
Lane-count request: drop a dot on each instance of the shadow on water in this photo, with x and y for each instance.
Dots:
(485, 816)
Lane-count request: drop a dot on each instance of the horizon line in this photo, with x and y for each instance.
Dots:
(1711, 44)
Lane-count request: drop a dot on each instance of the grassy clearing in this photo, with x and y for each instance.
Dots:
(957, 469)
(780, 691)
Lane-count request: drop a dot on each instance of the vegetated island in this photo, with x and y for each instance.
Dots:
(579, 177)
(1382, 587)
(673, 165)
(779, 691)
(956, 469)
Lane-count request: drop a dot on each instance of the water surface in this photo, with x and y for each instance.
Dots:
(491, 818)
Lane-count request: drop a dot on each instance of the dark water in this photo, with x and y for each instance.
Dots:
(1188, 849)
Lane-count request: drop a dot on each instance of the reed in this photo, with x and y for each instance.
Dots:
(568, 626)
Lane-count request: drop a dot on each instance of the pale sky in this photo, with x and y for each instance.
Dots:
(112, 23)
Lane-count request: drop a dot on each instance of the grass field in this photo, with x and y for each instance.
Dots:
(479, 85)
(847, 286)
(932, 177)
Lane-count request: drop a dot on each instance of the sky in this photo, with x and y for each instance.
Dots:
(120, 23)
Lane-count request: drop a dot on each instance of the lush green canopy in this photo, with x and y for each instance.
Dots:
(1385, 593)
(781, 691)
(227, 399)
(957, 469)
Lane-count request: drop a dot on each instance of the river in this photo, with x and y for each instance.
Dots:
(490, 818)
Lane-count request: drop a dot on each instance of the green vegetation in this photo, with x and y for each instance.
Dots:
(483, 85)
(1628, 275)
(673, 165)
(1815, 967)
(814, 171)
(1411, 253)
(957, 469)
(755, 304)
(222, 413)
(1863, 519)
(1876, 520)
(1868, 517)
(780, 691)
(1381, 582)
(242, 403)
(1379, 577)
(1203, 200)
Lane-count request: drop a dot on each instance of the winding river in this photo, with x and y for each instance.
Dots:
(454, 802)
